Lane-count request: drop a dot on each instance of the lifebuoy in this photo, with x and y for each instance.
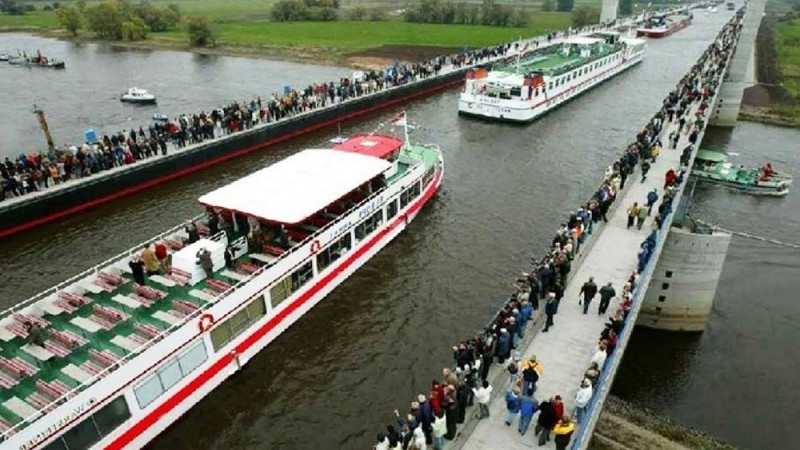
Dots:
(206, 322)
(315, 247)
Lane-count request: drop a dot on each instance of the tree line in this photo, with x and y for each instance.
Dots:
(120, 20)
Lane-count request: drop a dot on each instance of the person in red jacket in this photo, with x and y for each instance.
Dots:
(161, 255)
(669, 178)
(558, 406)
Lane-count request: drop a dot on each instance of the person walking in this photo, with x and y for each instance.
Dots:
(640, 218)
(550, 309)
(607, 292)
(652, 198)
(483, 395)
(633, 213)
(645, 169)
(527, 408)
(588, 290)
(512, 405)
(546, 421)
(563, 432)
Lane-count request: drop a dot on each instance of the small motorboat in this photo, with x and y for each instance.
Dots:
(160, 117)
(4, 57)
(712, 166)
(138, 96)
(35, 61)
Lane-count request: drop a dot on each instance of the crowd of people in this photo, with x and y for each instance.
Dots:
(435, 415)
(36, 171)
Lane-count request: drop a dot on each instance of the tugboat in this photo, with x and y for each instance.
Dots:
(712, 166)
(104, 347)
(138, 96)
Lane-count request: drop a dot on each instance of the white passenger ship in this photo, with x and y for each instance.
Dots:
(545, 79)
(117, 362)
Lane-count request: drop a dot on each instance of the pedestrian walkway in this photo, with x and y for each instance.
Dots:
(565, 350)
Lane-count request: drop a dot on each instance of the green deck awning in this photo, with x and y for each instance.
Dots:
(715, 156)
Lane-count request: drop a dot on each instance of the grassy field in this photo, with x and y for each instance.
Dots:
(243, 27)
(787, 40)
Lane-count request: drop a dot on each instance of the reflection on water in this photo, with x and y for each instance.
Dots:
(332, 379)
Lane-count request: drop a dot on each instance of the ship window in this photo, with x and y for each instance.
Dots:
(302, 275)
(369, 225)
(549, 85)
(171, 372)
(226, 331)
(94, 428)
(391, 210)
(280, 291)
(516, 91)
(331, 253)
(408, 195)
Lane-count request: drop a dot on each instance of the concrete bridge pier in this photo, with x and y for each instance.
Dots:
(729, 100)
(683, 285)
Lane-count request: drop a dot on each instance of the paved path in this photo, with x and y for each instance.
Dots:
(565, 350)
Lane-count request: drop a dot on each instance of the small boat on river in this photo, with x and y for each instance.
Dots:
(712, 166)
(138, 96)
(160, 117)
(35, 61)
(115, 358)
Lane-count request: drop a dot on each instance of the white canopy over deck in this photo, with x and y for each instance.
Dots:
(297, 187)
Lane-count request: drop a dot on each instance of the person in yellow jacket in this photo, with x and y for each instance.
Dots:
(563, 432)
(151, 264)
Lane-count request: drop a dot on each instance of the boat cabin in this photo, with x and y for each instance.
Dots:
(284, 204)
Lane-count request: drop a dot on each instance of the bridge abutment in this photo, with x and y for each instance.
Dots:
(729, 100)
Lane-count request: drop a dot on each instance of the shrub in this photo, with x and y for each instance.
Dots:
(200, 32)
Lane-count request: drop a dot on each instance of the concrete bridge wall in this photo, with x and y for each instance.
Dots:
(729, 100)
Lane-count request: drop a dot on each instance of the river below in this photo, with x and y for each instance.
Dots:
(332, 379)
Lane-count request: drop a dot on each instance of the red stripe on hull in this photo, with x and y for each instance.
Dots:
(155, 181)
(172, 402)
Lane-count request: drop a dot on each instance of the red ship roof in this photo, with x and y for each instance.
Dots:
(378, 146)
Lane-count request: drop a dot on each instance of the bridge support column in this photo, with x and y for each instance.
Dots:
(608, 12)
(729, 100)
(684, 282)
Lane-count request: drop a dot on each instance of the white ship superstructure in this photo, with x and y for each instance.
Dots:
(544, 79)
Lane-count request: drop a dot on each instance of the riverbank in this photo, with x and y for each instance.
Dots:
(623, 425)
(358, 44)
(774, 100)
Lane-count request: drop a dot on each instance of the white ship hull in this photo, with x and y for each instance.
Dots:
(523, 110)
(145, 422)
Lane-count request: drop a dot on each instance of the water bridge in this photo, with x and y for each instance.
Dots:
(676, 286)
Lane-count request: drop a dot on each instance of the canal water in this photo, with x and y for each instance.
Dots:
(86, 94)
(332, 379)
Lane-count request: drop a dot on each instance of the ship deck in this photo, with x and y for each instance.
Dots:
(114, 318)
(555, 63)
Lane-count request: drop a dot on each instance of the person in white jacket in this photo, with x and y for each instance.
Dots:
(582, 399)
(419, 439)
(439, 427)
(483, 395)
(600, 356)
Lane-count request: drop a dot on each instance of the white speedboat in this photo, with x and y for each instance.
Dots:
(136, 95)
(113, 363)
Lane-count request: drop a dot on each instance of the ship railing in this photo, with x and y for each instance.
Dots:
(86, 273)
(171, 329)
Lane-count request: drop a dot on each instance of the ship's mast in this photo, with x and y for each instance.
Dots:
(45, 129)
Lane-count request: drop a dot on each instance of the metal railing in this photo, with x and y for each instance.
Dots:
(177, 325)
(604, 383)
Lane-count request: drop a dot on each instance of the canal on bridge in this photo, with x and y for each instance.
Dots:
(332, 379)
